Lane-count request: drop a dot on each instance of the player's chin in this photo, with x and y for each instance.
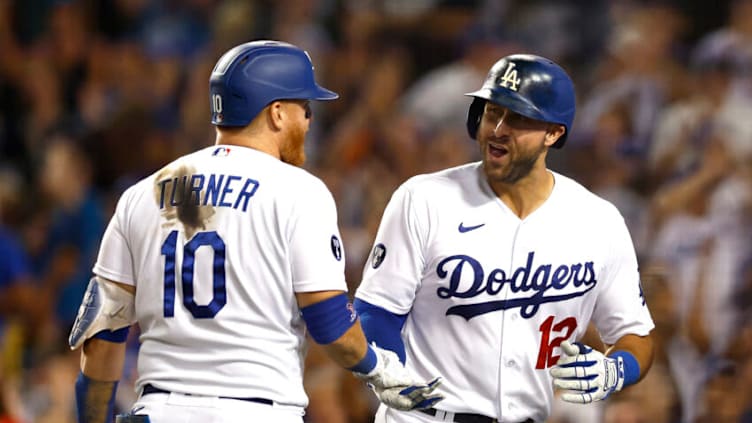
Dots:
(295, 159)
(496, 164)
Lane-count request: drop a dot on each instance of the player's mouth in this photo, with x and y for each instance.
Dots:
(497, 150)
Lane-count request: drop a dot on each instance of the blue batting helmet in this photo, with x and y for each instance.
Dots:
(532, 86)
(250, 76)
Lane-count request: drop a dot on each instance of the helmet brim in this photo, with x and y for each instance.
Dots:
(323, 94)
(511, 101)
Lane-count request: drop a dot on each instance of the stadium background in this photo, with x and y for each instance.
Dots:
(95, 94)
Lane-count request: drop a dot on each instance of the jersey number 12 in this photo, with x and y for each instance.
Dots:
(219, 298)
(564, 328)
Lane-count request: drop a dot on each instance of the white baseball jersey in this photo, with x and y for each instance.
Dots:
(217, 243)
(490, 297)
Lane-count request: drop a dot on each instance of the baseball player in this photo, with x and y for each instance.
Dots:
(489, 273)
(224, 257)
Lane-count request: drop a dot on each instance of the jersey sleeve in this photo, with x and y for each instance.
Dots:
(317, 255)
(393, 272)
(621, 308)
(115, 261)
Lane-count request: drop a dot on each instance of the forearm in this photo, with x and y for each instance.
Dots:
(101, 367)
(349, 349)
(103, 360)
(332, 323)
(677, 196)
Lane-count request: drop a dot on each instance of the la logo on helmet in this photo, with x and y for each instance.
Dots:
(510, 79)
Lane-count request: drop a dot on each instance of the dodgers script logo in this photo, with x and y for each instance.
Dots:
(544, 284)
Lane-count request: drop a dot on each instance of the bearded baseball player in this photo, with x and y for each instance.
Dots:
(489, 273)
(224, 257)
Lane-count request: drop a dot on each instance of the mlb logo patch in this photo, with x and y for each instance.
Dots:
(378, 255)
(336, 247)
(221, 151)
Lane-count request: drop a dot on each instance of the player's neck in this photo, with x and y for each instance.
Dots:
(526, 195)
(251, 139)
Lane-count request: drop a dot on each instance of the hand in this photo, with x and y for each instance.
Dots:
(395, 387)
(586, 374)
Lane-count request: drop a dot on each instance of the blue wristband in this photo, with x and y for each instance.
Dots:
(82, 399)
(631, 366)
(367, 363)
(328, 320)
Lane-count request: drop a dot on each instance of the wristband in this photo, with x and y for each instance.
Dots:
(328, 320)
(84, 400)
(631, 366)
(367, 363)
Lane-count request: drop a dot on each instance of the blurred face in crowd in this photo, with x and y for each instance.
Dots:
(511, 145)
(292, 150)
(64, 173)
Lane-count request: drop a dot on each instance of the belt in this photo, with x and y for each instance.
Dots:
(151, 389)
(468, 417)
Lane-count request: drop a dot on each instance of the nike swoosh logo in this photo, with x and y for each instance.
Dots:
(462, 228)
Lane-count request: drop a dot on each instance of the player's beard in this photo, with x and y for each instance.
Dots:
(521, 163)
(293, 151)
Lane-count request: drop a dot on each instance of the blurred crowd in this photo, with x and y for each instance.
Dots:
(96, 94)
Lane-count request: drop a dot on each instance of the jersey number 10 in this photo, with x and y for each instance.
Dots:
(219, 298)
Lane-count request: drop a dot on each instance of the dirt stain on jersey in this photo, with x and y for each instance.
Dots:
(172, 191)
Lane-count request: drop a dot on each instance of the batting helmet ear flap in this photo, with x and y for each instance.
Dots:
(474, 114)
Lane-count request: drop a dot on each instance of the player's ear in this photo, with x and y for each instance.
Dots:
(275, 114)
(553, 133)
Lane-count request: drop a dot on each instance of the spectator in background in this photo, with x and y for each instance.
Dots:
(432, 100)
(75, 224)
(686, 126)
(639, 71)
(734, 37)
(702, 242)
(17, 302)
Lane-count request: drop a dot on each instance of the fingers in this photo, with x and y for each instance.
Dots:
(573, 384)
(577, 397)
(577, 370)
(569, 349)
(417, 397)
(414, 391)
(428, 402)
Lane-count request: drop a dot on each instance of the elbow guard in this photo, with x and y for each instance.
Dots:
(105, 308)
(328, 320)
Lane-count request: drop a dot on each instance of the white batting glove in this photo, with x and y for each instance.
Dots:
(395, 387)
(586, 374)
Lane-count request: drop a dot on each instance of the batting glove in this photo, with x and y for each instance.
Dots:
(395, 387)
(586, 374)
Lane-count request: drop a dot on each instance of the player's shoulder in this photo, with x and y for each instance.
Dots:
(145, 187)
(579, 196)
(445, 180)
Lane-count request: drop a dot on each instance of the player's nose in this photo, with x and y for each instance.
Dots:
(500, 128)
